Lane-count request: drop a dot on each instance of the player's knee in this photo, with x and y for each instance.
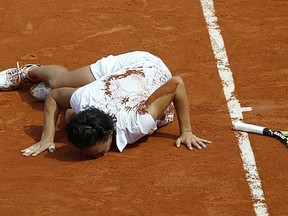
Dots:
(59, 78)
(56, 83)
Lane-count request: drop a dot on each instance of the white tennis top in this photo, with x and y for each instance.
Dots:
(123, 84)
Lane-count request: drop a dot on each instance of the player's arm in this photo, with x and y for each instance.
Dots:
(174, 90)
(56, 99)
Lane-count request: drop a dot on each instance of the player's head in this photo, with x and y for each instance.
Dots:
(91, 131)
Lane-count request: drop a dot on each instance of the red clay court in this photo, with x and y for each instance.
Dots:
(151, 177)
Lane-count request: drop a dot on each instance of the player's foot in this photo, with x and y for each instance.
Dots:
(40, 91)
(13, 77)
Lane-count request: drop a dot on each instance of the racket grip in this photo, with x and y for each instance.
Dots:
(248, 127)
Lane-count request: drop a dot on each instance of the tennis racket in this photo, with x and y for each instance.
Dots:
(280, 135)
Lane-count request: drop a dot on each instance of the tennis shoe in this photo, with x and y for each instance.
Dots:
(12, 78)
(40, 91)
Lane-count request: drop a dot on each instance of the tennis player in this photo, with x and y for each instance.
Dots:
(119, 98)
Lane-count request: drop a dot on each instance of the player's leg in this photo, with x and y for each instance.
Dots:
(57, 76)
(54, 76)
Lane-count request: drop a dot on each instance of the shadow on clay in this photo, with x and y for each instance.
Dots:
(35, 131)
(26, 97)
(68, 153)
(165, 135)
(64, 151)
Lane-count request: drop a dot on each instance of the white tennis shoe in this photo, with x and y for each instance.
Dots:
(13, 77)
(40, 91)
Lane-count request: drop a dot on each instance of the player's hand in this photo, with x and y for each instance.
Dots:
(38, 148)
(190, 140)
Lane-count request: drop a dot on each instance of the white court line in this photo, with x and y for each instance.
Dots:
(234, 107)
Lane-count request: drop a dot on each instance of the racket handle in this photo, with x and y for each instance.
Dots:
(280, 135)
(248, 127)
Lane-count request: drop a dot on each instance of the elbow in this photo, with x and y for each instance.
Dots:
(178, 80)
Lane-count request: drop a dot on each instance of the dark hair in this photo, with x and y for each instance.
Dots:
(90, 127)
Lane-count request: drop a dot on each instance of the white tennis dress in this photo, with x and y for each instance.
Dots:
(123, 84)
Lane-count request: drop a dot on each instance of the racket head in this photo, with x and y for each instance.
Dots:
(285, 133)
(280, 135)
